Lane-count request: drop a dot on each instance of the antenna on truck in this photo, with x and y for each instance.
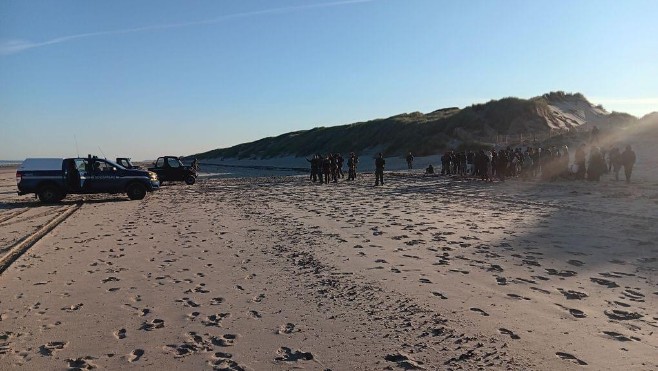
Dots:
(99, 148)
(77, 151)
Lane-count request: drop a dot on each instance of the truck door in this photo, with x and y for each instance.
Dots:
(104, 178)
(80, 175)
(174, 168)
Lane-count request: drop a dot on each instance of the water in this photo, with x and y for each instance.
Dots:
(10, 162)
(216, 172)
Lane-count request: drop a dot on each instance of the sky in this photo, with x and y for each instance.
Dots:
(148, 78)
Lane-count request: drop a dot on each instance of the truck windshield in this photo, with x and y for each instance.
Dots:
(112, 163)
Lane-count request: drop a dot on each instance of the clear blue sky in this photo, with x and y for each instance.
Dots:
(147, 78)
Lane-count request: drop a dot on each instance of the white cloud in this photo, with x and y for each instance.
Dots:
(15, 46)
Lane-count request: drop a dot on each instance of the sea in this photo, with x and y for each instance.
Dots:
(10, 162)
(235, 172)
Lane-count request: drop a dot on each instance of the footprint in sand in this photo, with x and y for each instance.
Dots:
(154, 324)
(617, 336)
(227, 340)
(572, 295)
(120, 334)
(404, 362)
(439, 295)
(607, 283)
(518, 297)
(562, 273)
(258, 298)
(540, 290)
(214, 320)
(577, 313)
(216, 301)
(255, 314)
(633, 295)
(223, 361)
(622, 315)
(73, 307)
(570, 357)
(81, 363)
(480, 311)
(187, 302)
(288, 355)
(135, 355)
(288, 328)
(511, 334)
(495, 268)
(48, 349)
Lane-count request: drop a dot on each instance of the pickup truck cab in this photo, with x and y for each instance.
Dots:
(170, 168)
(51, 179)
(125, 162)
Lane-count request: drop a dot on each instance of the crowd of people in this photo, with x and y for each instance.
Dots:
(549, 163)
(325, 169)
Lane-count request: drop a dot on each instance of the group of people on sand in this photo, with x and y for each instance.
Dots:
(325, 169)
(549, 163)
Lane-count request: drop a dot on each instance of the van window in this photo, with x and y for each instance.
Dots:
(160, 162)
(173, 162)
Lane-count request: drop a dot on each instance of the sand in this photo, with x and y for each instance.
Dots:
(280, 273)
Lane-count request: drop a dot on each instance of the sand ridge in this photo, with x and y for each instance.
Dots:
(280, 273)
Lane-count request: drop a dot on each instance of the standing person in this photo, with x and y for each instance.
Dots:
(470, 163)
(340, 160)
(410, 161)
(379, 169)
(314, 168)
(195, 164)
(628, 160)
(596, 165)
(351, 164)
(580, 158)
(615, 161)
(326, 168)
(445, 164)
(594, 135)
(333, 160)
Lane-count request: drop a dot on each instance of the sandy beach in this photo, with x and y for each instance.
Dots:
(280, 273)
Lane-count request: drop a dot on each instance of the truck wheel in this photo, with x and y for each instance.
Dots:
(190, 179)
(136, 191)
(49, 194)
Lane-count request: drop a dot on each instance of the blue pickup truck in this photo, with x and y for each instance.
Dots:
(51, 179)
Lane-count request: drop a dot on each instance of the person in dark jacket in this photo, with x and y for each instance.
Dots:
(410, 161)
(379, 169)
(628, 160)
(596, 165)
(351, 164)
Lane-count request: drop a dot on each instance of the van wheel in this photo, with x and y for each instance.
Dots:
(190, 179)
(136, 191)
(49, 194)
